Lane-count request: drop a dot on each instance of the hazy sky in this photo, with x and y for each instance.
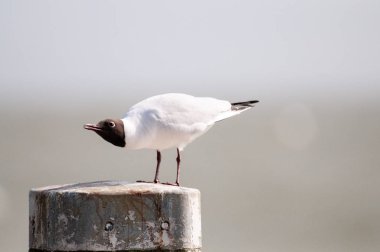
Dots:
(300, 170)
(81, 50)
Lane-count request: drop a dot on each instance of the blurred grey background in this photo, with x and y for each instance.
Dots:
(299, 172)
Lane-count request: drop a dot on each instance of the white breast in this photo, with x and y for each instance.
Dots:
(171, 120)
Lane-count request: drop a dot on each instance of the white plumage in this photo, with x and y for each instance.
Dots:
(166, 121)
(172, 120)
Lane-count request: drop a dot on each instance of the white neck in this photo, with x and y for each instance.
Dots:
(130, 132)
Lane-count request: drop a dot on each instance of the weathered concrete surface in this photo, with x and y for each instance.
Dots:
(114, 216)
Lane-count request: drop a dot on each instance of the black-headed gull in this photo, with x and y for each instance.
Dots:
(166, 121)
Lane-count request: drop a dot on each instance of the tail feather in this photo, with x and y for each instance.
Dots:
(236, 108)
(243, 105)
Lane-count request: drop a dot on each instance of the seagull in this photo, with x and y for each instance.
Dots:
(166, 121)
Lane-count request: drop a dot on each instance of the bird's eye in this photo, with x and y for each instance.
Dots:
(111, 124)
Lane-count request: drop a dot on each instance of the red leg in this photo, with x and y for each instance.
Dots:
(157, 167)
(156, 180)
(178, 162)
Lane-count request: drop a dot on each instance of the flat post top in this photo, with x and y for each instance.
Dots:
(114, 216)
(114, 187)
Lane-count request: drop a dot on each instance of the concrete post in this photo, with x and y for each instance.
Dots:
(114, 216)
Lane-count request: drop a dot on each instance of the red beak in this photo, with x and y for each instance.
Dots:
(92, 127)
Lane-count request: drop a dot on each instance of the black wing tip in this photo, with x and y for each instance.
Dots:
(246, 103)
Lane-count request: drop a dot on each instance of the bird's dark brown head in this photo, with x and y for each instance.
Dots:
(111, 130)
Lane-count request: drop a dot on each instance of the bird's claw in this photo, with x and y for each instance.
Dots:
(158, 182)
(171, 184)
(152, 182)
